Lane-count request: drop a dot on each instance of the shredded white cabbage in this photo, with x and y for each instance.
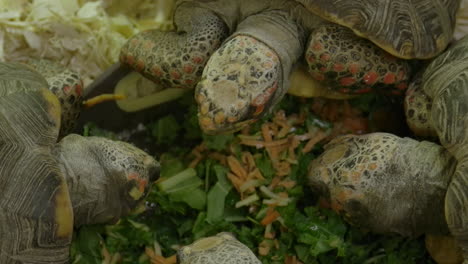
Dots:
(85, 36)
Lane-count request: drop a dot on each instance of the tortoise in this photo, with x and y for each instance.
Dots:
(48, 186)
(238, 55)
(221, 248)
(390, 184)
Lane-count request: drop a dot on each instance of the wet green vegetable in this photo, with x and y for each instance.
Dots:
(190, 203)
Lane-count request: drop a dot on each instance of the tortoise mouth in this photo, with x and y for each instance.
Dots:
(230, 114)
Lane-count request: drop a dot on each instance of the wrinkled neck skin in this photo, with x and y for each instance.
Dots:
(95, 194)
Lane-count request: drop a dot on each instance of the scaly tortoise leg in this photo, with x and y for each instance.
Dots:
(67, 86)
(176, 59)
(418, 107)
(350, 64)
(248, 73)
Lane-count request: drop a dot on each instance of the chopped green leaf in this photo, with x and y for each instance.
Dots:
(218, 142)
(186, 179)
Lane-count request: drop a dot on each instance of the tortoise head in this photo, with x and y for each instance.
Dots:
(107, 179)
(221, 248)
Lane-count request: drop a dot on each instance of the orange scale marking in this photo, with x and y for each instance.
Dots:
(338, 67)
(317, 46)
(140, 65)
(130, 59)
(402, 86)
(66, 89)
(389, 78)
(370, 78)
(325, 57)
(157, 71)
(347, 81)
(318, 76)
(78, 89)
(364, 90)
(188, 69)
(197, 59)
(175, 75)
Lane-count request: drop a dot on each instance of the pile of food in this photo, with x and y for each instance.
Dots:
(252, 183)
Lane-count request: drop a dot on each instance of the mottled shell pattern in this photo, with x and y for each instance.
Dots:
(36, 217)
(445, 81)
(406, 29)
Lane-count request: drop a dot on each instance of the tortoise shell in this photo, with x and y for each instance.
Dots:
(445, 81)
(36, 216)
(406, 29)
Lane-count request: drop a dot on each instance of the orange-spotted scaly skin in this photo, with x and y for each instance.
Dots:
(384, 183)
(176, 59)
(350, 64)
(67, 86)
(238, 84)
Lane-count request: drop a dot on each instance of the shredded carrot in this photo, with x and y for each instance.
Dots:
(248, 160)
(283, 168)
(291, 149)
(264, 248)
(256, 174)
(303, 137)
(155, 259)
(195, 162)
(284, 131)
(158, 260)
(106, 255)
(235, 181)
(236, 167)
(219, 157)
(261, 144)
(172, 259)
(291, 260)
(266, 132)
(196, 152)
(270, 217)
(311, 143)
(274, 182)
(288, 184)
(245, 130)
(269, 235)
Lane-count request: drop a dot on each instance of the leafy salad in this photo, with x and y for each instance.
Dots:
(252, 183)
